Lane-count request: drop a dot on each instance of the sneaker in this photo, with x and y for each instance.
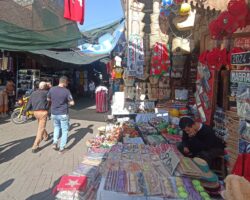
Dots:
(54, 146)
(62, 151)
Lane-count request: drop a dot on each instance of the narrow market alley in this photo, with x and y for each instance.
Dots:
(33, 176)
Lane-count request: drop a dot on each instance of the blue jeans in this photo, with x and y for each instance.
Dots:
(61, 122)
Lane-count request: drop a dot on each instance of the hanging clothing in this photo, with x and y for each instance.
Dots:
(5, 63)
(242, 166)
(74, 10)
(160, 61)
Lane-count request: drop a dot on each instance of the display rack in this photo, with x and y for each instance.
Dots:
(26, 80)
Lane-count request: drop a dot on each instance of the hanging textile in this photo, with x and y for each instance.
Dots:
(135, 51)
(160, 61)
(74, 10)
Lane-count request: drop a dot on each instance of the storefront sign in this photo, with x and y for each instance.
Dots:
(240, 76)
(242, 42)
(170, 160)
(240, 58)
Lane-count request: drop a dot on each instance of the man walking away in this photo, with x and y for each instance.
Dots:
(92, 89)
(60, 98)
(39, 104)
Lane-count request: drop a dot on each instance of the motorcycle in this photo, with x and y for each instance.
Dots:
(19, 115)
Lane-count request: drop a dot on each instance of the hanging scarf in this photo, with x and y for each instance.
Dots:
(74, 10)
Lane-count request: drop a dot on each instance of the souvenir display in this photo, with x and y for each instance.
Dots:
(146, 129)
(133, 140)
(245, 130)
(158, 122)
(232, 124)
(128, 130)
(220, 124)
(72, 183)
(188, 168)
(110, 138)
(154, 139)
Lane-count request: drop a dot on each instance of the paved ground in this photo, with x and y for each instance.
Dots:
(28, 176)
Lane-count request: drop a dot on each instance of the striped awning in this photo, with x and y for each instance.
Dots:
(219, 5)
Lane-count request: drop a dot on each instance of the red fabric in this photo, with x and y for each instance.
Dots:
(242, 166)
(217, 58)
(215, 30)
(74, 10)
(203, 57)
(238, 9)
(72, 183)
(178, 1)
(101, 101)
(227, 22)
(160, 60)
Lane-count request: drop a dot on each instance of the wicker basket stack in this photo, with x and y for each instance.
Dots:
(233, 137)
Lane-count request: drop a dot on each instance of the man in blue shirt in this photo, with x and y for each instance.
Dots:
(60, 98)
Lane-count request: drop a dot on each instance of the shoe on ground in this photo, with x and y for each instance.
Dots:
(54, 146)
(62, 151)
(35, 150)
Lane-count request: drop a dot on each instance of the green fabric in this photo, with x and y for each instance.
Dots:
(93, 35)
(18, 39)
(40, 25)
(70, 56)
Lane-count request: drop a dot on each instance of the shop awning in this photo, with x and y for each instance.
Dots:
(219, 5)
(90, 52)
(35, 25)
(73, 57)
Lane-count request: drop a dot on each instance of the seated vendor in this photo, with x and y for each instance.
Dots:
(199, 140)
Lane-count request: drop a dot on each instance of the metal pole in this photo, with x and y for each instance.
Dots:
(17, 68)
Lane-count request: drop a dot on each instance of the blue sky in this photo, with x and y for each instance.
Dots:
(101, 12)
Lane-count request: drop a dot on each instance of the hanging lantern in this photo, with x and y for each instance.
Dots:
(215, 30)
(227, 22)
(185, 9)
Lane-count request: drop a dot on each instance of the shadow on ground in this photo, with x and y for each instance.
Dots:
(73, 138)
(79, 135)
(83, 103)
(6, 184)
(47, 194)
(85, 110)
(4, 120)
(10, 150)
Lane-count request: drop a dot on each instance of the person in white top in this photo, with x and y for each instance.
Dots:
(92, 88)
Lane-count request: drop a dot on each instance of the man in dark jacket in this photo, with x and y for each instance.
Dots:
(199, 140)
(39, 104)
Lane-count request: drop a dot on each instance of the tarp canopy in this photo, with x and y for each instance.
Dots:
(27, 25)
(34, 24)
(73, 57)
(93, 52)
